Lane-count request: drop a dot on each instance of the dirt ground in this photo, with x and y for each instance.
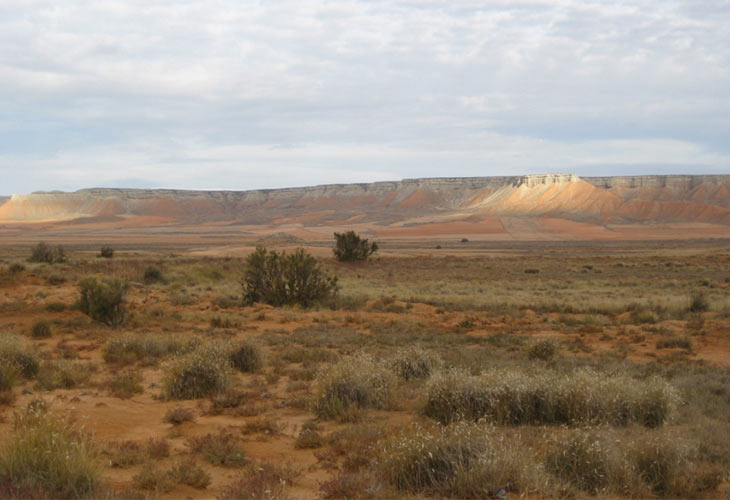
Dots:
(617, 303)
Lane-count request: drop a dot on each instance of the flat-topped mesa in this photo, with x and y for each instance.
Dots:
(657, 181)
(665, 198)
(543, 179)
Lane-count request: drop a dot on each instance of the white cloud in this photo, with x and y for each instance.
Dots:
(160, 92)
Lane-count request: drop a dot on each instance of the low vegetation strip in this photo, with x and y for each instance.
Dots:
(583, 397)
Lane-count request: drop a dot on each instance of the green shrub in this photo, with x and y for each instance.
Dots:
(280, 278)
(43, 252)
(45, 453)
(203, 372)
(41, 329)
(246, 356)
(547, 398)
(354, 383)
(414, 362)
(130, 348)
(152, 275)
(103, 300)
(350, 246)
(106, 252)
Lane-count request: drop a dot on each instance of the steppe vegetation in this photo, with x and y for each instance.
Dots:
(539, 372)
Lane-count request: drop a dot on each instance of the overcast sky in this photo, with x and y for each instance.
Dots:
(255, 94)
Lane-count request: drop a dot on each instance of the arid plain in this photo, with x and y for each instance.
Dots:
(532, 337)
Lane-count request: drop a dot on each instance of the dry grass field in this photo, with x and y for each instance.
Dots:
(523, 371)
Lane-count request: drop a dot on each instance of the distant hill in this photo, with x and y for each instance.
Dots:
(411, 208)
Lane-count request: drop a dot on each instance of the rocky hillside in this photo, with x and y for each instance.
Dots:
(674, 198)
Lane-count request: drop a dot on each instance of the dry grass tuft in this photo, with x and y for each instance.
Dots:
(353, 384)
(583, 397)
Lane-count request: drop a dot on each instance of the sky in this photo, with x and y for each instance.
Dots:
(234, 94)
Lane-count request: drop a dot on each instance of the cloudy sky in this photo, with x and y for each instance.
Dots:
(240, 94)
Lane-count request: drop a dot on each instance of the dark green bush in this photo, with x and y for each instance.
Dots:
(44, 252)
(699, 303)
(41, 329)
(543, 350)
(103, 300)
(350, 246)
(152, 275)
(16, 268)
(106, 252)
(246, 356)
(280, 278)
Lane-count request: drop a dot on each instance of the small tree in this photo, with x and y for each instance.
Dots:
(350, 246)
(106, 252)
(280, 278)
(103, 300)
(44, 252)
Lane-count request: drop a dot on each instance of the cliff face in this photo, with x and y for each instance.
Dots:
(679, 198)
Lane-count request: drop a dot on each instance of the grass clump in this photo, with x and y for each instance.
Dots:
(584, 460)
(46, 454)
(582, 397)
(189, 473)
(265, 480)
(246, 356)
(179, 415)
(203, 372)
(414, 363)
(103, 299)
(309, 437)
(675, 341)
(462, 460)
(152, 275)
(543, 350)
(219, 449)
(600, 462)
(699, 303)
(63, 374)
(43, 252)
(17, 359)
(130, 348)
(154, 479)
(41, 329)
(126, 454)
(353, 384)
(125, 385)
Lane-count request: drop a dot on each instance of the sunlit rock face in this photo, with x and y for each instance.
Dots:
(672, 198)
